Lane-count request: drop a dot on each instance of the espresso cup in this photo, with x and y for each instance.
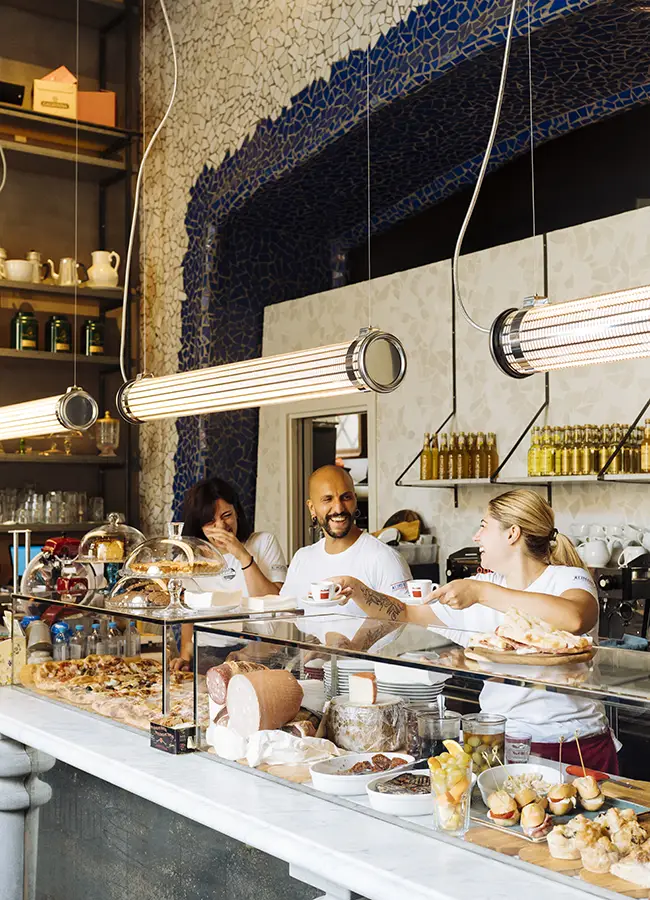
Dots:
(323, 591)
(419, 589)
(629, 554)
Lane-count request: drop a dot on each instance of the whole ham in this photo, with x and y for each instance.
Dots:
(218, 678)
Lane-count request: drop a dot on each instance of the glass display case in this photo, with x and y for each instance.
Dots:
(332, 704)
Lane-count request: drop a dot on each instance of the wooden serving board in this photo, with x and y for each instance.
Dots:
(483, 654)
(538, 855)
(612, 883)
(494, 840)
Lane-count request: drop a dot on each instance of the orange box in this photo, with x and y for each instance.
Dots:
(97, 107)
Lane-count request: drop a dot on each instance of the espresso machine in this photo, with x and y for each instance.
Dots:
(624, 599)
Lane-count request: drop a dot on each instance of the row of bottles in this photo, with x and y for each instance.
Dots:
(79, 644)
(585, 449)
(458, 456)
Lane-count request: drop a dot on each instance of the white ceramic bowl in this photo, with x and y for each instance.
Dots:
(19, 269)
(400, 804)
(324, 777)
(494, 779)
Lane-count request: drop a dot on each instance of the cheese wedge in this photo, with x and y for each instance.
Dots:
(363, 688)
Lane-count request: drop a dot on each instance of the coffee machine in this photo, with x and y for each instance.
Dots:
(624, 599)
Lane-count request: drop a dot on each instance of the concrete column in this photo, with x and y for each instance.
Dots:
(21, 793)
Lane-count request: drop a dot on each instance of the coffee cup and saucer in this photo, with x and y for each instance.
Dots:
(323, 593)
(419, 590)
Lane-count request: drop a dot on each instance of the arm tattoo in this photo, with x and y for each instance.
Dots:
(367, 636)
(386, 607)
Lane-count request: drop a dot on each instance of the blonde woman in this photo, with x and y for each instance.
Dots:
(533, 568)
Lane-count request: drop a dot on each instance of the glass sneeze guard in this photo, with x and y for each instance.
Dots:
(613, 675)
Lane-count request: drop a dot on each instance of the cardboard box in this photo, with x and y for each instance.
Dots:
(173, 739)
(55, 98)
(97, 107)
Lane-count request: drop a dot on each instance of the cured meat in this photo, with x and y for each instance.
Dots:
(218, 678)
(302, 729)
(262, 700)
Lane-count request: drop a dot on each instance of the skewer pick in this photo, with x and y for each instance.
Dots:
(582, 762)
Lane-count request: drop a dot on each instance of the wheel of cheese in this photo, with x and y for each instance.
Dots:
(261, 701)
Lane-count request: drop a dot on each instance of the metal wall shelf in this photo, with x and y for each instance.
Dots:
(92, 13)
(543, 480)
(42, 356)
(448, 483)
(77, 459)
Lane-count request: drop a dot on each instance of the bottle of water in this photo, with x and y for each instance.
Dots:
(95, 645)
(60, 638)
(77, 643)
(133, 640)
(115, 640)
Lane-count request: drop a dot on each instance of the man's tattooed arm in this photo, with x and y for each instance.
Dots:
(381, 606)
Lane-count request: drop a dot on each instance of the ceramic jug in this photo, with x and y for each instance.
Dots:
(595, 552)
(103, 272)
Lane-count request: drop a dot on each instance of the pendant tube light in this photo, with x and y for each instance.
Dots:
(374, 361)
(546, 336)
(73, 411)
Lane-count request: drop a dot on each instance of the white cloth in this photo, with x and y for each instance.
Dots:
(548, 716)
(266, 550)
(368, 559)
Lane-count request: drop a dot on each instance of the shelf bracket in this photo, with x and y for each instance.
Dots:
(617, 450)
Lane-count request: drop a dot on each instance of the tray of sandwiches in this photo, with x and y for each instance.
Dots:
(527, 641)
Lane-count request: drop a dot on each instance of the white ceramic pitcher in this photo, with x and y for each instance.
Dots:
(103, 272)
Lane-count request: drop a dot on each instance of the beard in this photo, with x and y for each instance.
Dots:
(326, 527)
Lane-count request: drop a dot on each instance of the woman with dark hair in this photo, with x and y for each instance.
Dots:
(214, 513)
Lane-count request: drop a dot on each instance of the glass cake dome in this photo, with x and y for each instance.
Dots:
(49, 576)
(112, 542)
(175, 556)
(138, 594)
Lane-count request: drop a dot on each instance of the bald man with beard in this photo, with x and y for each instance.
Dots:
(344, 549)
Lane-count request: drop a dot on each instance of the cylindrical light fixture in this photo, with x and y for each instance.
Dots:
(603, 328)
(73, 411)
(374, 361)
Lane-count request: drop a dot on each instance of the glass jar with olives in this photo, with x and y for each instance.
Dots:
(483, 739)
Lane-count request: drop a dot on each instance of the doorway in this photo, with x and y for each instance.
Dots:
(330, 439)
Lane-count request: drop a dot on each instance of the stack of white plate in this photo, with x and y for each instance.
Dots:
(346, 667)
(415, 693)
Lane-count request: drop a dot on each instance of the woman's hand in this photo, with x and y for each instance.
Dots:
(180, 664)
(459, 594)
(226, 542)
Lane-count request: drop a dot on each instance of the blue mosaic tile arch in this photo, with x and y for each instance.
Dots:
(275, 221)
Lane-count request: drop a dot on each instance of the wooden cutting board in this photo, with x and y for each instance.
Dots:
(529, 659)
(612, 883)
(495, 840)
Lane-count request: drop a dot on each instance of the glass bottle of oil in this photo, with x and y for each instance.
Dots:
(452, 469)
(426, 459)
(535, 453)
(626, 452)
(471, 448)
(462, 457)
(604, 448)
(576, 450)
(558, 442)
(565, 451)
(480, 457)
(548, 452)
(435, 455)
(616, 466)
(637, 448)
(587, 451)
(443, 457)
(645, 448)
(492, 454)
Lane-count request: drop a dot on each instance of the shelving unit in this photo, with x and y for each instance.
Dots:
(107, 298)
(61, 459)
(93, 13)
(42, 356)
(55, 527)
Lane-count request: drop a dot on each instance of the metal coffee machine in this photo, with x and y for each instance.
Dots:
(463, 563)
(624, 598)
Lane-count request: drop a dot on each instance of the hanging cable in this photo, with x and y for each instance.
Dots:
(136, 196)
(533, 202)
(76, 207)
(3, 160)
(483, 169)
(369, 213)
(143, 230)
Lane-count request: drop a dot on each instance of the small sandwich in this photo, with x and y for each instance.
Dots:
(503, 809)
(535, 821)
(525, 796)
(561, 799)
(589, 793)
(562, 843)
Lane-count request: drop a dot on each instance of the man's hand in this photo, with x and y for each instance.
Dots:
(459, 594)
(352, 588)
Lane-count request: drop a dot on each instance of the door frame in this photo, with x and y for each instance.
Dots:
(291, 453)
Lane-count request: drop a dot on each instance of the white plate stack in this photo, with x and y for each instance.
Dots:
(415, 685)
(415, 693)
(346, 667)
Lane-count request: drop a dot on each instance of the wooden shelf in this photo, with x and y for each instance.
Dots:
(59, 163)
(102, 138)
(109, 298)
(42, 356)
(44, 528)
(92, 13)
(60, 459)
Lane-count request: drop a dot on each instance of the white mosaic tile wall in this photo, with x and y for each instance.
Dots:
(595, 257)
(237, 65)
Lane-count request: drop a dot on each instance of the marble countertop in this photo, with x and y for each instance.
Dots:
(377, 859)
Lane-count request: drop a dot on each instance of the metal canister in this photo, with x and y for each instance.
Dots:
(92, 337)
(24, 331)
(58, 334)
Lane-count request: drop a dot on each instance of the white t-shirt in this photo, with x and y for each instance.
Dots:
(368, 559)
(548, 716)
(266, 550)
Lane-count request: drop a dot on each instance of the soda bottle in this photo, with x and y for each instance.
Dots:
(60, 638)
(133, 640)
(116, 642)
(77, 645)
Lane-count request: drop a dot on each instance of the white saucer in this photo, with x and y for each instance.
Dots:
(322, 604)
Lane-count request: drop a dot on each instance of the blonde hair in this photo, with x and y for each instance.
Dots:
(536, 521)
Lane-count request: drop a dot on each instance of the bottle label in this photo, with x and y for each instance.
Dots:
(28, 344)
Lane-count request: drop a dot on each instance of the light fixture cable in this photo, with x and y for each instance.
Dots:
(483, 169)
(138, 186)
(3, 160)
(143, 230)
(368, 172)
(533, 202)
(76, 207)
